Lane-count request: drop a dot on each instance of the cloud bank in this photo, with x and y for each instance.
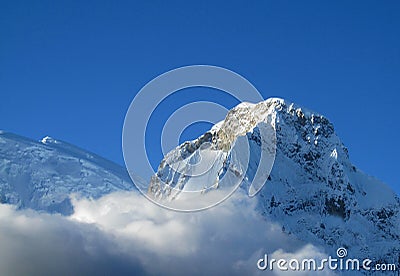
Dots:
(123, 233)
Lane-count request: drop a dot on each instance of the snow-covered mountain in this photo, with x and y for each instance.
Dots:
(42, 175)
(313, 190)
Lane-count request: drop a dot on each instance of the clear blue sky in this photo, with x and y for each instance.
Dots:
(69, 69)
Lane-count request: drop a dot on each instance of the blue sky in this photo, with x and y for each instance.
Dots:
(69, 69)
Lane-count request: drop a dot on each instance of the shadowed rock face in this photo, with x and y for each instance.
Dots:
(313, 191)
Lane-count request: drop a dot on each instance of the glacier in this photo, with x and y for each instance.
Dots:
(42, 175)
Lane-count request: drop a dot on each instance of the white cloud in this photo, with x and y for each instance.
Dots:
(42, 244)
(124, 233)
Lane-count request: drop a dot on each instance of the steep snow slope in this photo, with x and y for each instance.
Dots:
(220, 160)
(313, 190)
(42, 175)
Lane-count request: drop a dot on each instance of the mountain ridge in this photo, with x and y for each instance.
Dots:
(313, 190)
(42, 175)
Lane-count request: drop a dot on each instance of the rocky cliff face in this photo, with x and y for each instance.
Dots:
(313, 190)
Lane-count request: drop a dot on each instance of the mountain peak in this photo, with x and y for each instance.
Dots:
(312, 181)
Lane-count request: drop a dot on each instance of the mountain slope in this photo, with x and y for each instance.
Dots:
(313, 190)
(42, 175)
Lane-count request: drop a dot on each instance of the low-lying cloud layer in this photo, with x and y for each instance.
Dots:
(124, 233)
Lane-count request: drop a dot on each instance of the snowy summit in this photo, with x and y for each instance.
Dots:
(313, 190)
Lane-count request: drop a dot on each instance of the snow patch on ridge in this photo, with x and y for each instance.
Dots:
(48, 140)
